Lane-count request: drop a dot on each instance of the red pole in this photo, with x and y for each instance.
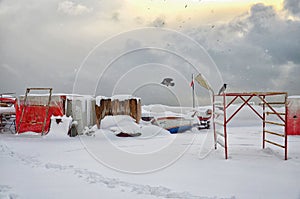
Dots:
(214, 125)
(225, 125)
(285, 130)
(264, 123)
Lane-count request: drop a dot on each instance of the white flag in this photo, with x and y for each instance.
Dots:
(202, 81)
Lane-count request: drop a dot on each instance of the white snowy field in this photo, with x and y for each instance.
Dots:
(155, 165)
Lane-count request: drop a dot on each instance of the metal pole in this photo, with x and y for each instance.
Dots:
(193, 90)
(225, 125)
(47, 111)
(214, 125)
(23, 110)
(285, 130)
(264, 122)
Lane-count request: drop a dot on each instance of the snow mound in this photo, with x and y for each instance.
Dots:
(126, 124)
(59, 127)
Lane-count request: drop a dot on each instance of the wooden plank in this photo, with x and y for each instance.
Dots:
(275, 103)
(276, 144)
(221, 143)
(219, 133)
(274, 133)
(219, 112)
(272, 113)
(219, 123)
(39, 88)
(275, 123)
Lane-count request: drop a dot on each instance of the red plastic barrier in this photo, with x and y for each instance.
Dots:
(34, 116)
(293, 116)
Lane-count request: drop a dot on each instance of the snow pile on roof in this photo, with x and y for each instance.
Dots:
(159, 108)
(115, 97)
(99, 98)
(123, 97)
(294, 97)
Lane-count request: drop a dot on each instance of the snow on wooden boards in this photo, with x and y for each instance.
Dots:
(118, 106)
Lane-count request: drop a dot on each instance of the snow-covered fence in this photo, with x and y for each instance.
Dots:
(118, 105)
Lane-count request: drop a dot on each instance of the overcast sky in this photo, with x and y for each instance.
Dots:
(254, 44)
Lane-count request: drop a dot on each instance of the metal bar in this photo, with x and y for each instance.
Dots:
(1, 95)
(219, 122)
(262, 99)
(221, 143)
(275, 123)
(276, 102)
(264, 123)
(219, 107)
(214, 125)
(219, 113)
(276, 144)
(257, 93)
(273, 133)
(39, 88)
(23, 110)
(252, 108)
(36, 122)
(231, 101)
(225, 126)
(47, 110)
(285, 130)
(219, 133)
(272, 113)
(239, 109)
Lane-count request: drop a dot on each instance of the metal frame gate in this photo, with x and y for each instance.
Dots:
(221, 118)
(25, 105)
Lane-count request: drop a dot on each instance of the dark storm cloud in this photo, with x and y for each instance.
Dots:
(43, 42)
(293, 6)
(258, 51)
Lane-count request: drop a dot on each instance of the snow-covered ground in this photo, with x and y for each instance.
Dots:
(153, 165)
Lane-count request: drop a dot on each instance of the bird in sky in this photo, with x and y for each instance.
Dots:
(222, 90)
(168, 82)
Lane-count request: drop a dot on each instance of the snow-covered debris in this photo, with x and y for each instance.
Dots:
(126, 124)
(60, 126)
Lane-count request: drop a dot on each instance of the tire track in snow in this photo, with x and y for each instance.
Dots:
(94, 177)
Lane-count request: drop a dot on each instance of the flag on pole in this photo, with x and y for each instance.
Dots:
(193, 90)
(192, 83)
(202, 81)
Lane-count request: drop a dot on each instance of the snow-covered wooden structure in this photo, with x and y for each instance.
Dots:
(118, 105)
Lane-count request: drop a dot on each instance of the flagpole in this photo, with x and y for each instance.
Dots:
(193, 90)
